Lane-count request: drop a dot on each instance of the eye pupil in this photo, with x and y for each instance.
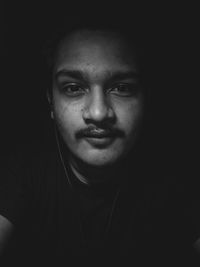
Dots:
(125, 90)
(73, 89)
(123, 87)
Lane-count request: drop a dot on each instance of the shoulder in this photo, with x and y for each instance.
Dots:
(25, 178)
(28, 166)
(6, 229)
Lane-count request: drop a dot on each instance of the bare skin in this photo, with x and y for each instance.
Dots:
(196, 245)
(6, 229)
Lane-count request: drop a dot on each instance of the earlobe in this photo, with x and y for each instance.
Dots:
(48, 97)
(52, 115)
(50, 103)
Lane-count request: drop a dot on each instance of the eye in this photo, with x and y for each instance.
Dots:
(124, 89)
(73, 89)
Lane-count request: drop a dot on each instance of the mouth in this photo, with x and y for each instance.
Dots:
(100, 140)
(98, 137)
(99, 134)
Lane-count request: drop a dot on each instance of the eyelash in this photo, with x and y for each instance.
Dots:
(127, 89)
(73, 93)
(130, 89)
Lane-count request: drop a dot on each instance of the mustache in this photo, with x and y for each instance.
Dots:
(94, 131)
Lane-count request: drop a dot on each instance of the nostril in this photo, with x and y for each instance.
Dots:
(97, 108)
(98, 113)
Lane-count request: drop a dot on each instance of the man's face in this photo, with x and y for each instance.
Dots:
(97, 99)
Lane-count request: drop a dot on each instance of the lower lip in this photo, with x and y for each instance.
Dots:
(99, 142)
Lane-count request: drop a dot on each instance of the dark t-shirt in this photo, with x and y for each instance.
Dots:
(56, 225)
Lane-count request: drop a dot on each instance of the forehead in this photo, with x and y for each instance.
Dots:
(95, 49)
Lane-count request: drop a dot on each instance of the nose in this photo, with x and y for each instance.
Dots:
(98, 108)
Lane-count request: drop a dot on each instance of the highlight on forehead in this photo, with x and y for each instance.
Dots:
(106, 38)
(123, 32)
(87, 34)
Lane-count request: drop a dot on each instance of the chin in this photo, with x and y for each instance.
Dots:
(102, 161)
(99, 158)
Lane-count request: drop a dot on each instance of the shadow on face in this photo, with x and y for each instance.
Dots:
(97, 97)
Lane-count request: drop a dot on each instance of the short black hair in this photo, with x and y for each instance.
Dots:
(132, 33)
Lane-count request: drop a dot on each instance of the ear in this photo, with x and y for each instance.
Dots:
(49, 98)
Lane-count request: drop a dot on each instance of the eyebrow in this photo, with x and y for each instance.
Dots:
(74, 74)
(80, 75)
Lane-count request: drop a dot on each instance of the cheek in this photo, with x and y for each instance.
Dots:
(130, 115)
(68, 117)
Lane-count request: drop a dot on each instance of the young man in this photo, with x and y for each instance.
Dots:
(91, 195)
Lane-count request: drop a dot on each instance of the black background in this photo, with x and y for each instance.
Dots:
(169, 38)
